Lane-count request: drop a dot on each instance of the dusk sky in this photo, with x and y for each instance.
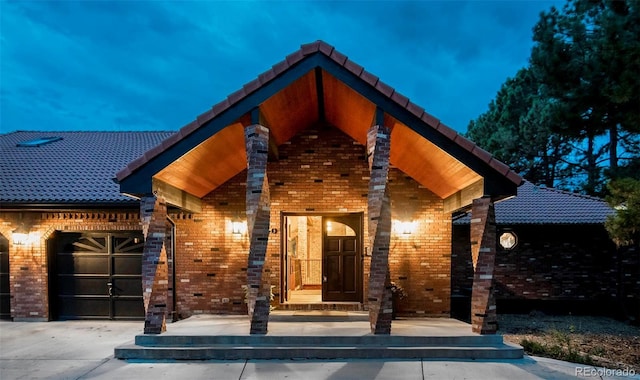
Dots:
(151, 65)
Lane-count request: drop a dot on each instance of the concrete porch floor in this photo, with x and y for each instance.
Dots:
(317, 323)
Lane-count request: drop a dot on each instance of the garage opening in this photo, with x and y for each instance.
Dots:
(96, 275)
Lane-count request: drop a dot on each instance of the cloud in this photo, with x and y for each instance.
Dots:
(157, 65)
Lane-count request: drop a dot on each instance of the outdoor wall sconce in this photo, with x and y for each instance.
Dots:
(508, 240)
(404, 228)
(238, 227)
(20, 235)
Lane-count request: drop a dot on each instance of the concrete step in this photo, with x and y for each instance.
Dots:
(299, 316)
(185, 347)
(340, 306)
(333, 341)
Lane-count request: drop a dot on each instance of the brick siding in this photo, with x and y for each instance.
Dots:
(555, 269)
(29, 264)
(320, 170)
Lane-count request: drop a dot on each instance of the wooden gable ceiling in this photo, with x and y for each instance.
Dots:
(210, 164)
(294, 109)
(316, 84)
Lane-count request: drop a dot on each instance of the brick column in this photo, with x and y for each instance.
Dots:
(258, 215)
(483, 254)
(379, 214)
(155, 270)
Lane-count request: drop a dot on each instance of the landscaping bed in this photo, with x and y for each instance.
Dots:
(598, 341)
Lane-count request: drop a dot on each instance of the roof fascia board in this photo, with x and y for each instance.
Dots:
(139, 182)
(495, 183)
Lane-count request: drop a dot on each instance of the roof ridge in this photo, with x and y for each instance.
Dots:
(570, 193)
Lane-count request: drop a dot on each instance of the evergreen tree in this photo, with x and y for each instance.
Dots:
(572, 118)
(587, 58)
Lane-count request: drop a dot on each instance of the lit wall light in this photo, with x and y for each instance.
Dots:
(508, 240)
(404, 228)
(238, 227)
(20, 235)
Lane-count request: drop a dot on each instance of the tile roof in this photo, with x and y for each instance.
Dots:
(306, 50)
(77, 169)
(80, 169)
(543, 205)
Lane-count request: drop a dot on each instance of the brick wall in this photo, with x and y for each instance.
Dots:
(320, 170)
(572, 268)
(29, 263)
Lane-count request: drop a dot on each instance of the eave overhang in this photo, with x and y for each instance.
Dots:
(318, 85)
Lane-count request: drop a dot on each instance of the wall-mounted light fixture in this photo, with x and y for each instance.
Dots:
(508, 240)
(238, 227)
(20, 235)
(404, 227)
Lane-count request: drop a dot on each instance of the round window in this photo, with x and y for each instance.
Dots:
(508, 240)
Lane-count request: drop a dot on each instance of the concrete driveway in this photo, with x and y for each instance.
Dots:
(84, 350)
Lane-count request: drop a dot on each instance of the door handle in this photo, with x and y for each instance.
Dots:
(110, 288)
(324, 278)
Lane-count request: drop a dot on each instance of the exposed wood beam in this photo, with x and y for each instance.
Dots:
(274, 155)
(320, 94)
(464, 197)
(379, 117)
(177, 197)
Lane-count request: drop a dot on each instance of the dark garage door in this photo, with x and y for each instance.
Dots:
(5, 292)
(97, 276)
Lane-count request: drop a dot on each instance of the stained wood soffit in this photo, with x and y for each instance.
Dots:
(300, 104)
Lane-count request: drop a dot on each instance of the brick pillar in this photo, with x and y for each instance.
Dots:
(155, 270)
(483, 254)
(258, 215)
(379, 214)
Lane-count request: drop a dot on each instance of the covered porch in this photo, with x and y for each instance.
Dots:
(319, 134)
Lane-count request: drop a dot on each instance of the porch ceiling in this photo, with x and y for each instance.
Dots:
(317, 85)
(297, 107)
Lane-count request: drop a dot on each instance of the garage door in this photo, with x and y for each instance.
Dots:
(5, 293)
(98, 276)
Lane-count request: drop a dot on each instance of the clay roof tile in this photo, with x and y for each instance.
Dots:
(338, 57)
(353, 67)
(369, 78)
(385, 89)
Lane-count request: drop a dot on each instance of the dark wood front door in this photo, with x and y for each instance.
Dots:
(97, 276)
(342, 258)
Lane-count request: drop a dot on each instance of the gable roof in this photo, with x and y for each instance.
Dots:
(544, 205)
(318, 84)
(76, 169)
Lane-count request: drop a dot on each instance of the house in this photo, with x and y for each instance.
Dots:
(553, 255)
(316, 183)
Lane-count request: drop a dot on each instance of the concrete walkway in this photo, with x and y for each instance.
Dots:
(84, 350)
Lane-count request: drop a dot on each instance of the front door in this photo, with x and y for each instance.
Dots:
(342, 258)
